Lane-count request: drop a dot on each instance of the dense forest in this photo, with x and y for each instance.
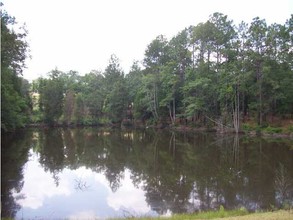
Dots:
(214, 74)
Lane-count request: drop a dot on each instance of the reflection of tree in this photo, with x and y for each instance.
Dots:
(114, 179)
(52, 152)
(167, 185)
(115, 162)
(102, 151)
(81, 185)
(14, 154)
(179, 172)
(69, 147)
(226, 172)
(283, 185)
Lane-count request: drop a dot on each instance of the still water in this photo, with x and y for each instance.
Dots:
(92, 173)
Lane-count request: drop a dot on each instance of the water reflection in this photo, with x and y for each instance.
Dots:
(14, 154)
(81, 193)
(64, 173)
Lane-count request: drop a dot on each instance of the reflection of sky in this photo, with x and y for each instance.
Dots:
(81, 193)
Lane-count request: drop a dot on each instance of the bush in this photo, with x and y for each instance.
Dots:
(272, 130)
(247, 127)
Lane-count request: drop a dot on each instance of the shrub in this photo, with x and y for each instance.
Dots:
(247, 127)
(272, 130)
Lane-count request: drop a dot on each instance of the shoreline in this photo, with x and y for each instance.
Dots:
(252, 133)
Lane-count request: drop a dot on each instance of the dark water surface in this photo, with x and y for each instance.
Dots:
(93, 173)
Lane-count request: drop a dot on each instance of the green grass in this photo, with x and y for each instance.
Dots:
(277, 215)
(240, 214)
(212, 214)
(221, 213)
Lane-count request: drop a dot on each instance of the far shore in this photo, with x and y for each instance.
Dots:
(179, 128)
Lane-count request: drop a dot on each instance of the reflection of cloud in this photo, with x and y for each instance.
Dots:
(42, 197)
(127, 196)
(82, 172)
(83, 215)
(43, 185)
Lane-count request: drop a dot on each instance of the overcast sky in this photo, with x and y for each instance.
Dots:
(81, 35)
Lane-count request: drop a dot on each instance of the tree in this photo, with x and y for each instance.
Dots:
(174, 73)
(257, 53)
(69, 106)
(115, 89)
(116, 104)
(93, 90)
(278, 91)
(228, 69)
(14, 48)
(197, 95)
(14, 51)
(113, 72)
(180, 54)
(133, 82)
(51, 96)
(169, 86)
(71, 85)
(200, 96)
(79, 109)
(156, 56)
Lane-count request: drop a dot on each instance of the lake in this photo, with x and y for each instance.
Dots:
(86, 173)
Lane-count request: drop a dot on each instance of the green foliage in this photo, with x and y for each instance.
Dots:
(93, 91)
(273, 130)
(117, 102)
(79, 111)
(51, 97)
(157, 53)
(15, 100)
(247, 127)
(13, 106)
(14, 48)
(115, 89)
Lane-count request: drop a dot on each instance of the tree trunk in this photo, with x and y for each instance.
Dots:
(236, 111)
(259, 80)
(174, 111)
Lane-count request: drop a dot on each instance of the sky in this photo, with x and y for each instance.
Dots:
(82, 35)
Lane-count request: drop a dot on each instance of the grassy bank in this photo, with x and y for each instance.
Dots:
(278, 215)
(222, 214)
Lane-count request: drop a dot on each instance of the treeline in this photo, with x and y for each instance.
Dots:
(214, 73)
